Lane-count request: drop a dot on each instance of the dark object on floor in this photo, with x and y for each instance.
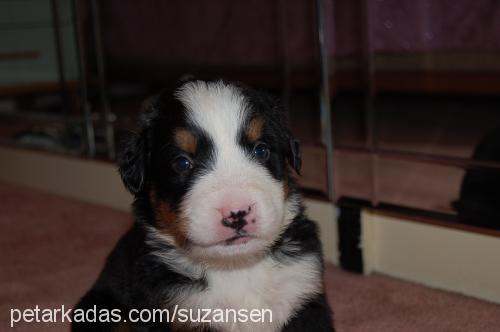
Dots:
(479, 203)
(349, 226)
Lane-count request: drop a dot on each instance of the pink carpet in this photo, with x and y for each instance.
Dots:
(52, 249)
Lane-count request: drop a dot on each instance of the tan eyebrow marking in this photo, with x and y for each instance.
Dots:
(186, 140)
(255, 129)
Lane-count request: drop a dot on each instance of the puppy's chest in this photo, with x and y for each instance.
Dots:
(279, 288)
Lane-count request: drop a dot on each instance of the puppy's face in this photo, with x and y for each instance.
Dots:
(212, 160)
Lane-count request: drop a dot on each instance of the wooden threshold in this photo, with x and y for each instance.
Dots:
(34, 87)
(464, 163)
(417, 215)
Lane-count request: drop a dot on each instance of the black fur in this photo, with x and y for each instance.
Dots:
(311, 317)
(135, 278)
(480, 190)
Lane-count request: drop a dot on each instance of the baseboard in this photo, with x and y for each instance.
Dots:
(84, 179)
(325, 215)
(439, 257)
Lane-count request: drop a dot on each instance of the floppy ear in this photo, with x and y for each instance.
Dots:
(132, 164)
(294, 156)
(134, 157)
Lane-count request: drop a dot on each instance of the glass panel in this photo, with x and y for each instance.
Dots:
(35, 111)
(446, 125)
(427, 77)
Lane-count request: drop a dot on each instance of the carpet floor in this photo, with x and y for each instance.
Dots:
(52, 249)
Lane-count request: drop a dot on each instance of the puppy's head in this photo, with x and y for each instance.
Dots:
(212, 161)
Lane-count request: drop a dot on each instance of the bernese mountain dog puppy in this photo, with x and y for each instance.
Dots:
(219, 223)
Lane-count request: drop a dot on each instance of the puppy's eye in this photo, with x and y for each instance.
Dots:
(261, 151)
(182, 164)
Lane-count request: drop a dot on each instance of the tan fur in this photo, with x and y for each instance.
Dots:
(255, 129)
(186, 140)
(286, 188)
(169, 221)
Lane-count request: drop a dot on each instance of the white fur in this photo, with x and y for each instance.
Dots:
(283, 288)
(268, 285)
(221, 110)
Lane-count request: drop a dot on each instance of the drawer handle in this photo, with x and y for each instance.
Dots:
(23, 55)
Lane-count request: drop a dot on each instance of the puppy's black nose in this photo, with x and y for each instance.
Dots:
(235, 220)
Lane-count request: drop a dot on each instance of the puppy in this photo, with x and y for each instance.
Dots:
(219, 221)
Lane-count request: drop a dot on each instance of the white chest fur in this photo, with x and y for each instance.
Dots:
(280, 287)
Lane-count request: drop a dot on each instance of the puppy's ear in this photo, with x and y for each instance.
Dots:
(294, 155)
(132, 164)
(134, 158)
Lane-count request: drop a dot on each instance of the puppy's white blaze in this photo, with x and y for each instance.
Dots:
(221, 110)
(216, 107)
